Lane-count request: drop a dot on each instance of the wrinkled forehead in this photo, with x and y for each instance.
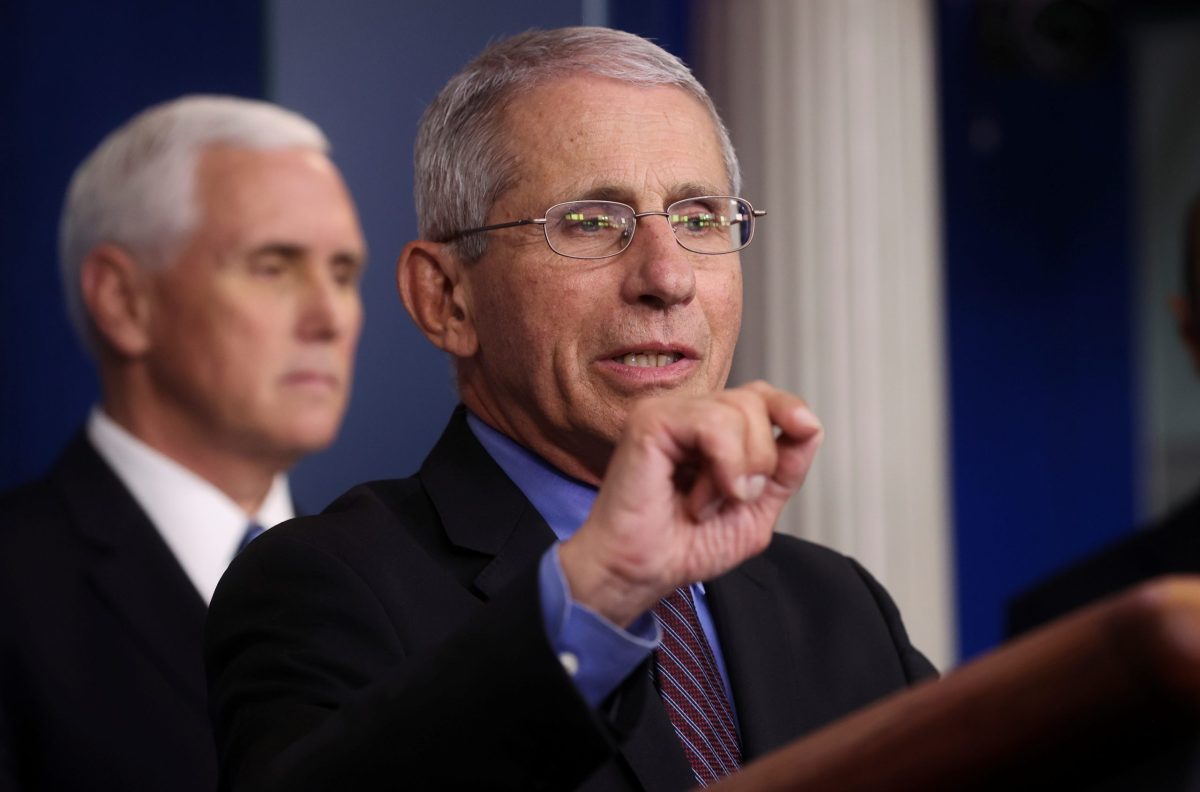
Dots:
(595, 137)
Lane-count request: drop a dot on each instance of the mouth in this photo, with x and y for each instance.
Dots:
(311, 379)
(648, 359)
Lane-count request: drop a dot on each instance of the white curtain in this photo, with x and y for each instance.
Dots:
(831, 106)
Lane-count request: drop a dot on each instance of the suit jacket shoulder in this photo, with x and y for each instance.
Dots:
(371, 644)
(101, 683)
(808, 636)
(399, 636)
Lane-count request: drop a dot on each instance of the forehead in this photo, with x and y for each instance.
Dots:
(291, 192)
(245, 176)
(593, 136)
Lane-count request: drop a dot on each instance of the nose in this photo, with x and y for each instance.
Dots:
(327, 308)
(661, 274)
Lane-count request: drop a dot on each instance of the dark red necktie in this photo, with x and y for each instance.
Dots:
(692, 690)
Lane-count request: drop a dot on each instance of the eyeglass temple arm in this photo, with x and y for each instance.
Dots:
(481, 229)
(755, 213)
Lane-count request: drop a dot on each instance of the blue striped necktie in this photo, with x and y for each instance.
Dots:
(252, 532)
(692, 690)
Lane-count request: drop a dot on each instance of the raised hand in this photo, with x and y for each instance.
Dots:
(693, 489)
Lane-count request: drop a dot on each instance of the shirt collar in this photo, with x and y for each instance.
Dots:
(200, 524)
(563, 502)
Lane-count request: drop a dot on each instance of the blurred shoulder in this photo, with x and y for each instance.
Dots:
(31, 515)
(362, 521)
(795, 552)
(812, 570)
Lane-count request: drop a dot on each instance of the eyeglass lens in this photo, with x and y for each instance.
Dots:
(596, 229)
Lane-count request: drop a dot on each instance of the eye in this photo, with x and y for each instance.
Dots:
(346, 271)
(701, 217)
(591, 219)
(268, 265)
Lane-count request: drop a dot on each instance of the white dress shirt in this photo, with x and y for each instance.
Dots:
(200, 524)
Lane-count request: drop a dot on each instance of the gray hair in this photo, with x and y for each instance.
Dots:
(136, 190)
(461, 161)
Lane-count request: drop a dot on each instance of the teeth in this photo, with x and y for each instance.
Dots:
(650, 359)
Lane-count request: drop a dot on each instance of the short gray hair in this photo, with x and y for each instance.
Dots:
(461, 161)
(136, 190)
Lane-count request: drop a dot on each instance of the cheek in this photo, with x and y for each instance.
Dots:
(723, 303)
(254, 342)
(352, 323)
(524, 314)
(190, 329)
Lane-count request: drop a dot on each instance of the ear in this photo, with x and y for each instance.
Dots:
(115, 291)
(431, 283)
(1186, 325)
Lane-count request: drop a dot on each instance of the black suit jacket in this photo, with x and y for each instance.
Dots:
(1171, 546)
(396, 641)
(101, 678)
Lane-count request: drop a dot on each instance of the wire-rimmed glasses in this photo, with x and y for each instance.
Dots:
(709, 224)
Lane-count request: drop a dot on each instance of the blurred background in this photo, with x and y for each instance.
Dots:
(975, 223)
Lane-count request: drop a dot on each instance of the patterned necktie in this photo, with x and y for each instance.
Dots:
(691, 688)
(252, 531)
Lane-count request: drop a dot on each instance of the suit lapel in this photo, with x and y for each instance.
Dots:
(481, 509)
(646, 738)
(132, 570)
(760, 656)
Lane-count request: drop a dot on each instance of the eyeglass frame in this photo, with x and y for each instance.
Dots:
(542, 221)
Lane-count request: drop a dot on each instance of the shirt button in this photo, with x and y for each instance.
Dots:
(569, 662)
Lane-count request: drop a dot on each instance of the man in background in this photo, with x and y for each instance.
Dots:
(581, 587)
(1169, 546)
(210, 259)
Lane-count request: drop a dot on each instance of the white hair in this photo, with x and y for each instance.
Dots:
(136, 190)
(461, 160)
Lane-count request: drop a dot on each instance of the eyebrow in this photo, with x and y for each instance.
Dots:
(292, 252)
(613, 192)
(283, 249)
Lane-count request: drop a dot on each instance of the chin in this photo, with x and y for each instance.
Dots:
(307, 437)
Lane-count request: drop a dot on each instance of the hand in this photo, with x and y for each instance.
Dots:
(693, 489)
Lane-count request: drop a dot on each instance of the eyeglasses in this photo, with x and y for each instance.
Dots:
(710, 224)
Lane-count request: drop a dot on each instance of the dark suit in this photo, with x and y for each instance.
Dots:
(1171, 546)
(396, 641)
(101, 679)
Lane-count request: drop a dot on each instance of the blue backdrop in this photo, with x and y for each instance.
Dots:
(1038, 271)
(71, 73)
(1039, 288)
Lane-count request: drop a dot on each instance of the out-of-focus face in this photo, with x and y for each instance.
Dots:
(254, 326)
(564, 343)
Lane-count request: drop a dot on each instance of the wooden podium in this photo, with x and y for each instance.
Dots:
(1107, 698)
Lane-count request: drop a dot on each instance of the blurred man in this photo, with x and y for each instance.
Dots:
(211, 258)
(579, 262)
(1169, 546)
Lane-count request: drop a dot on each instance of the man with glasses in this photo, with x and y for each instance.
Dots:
(581, 587)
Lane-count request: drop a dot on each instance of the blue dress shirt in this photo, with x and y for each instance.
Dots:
(597, 653)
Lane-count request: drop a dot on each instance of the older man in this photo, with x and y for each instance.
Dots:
(579, 263)
(211, 258)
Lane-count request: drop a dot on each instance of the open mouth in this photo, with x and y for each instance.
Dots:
(648, 359)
